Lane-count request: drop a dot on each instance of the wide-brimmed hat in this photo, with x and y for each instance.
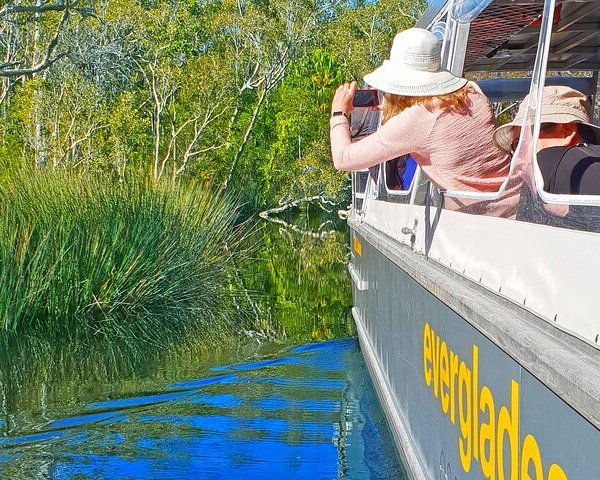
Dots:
(560, 104)
(414, 67)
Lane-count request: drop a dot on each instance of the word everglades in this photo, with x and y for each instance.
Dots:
(489, 433)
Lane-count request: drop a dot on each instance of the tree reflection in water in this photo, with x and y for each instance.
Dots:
(303, 278)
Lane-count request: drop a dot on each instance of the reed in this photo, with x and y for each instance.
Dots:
(130, 259)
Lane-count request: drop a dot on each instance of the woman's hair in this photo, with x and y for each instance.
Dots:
(455, 102)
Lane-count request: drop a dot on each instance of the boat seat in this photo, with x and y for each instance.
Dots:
(571, 170)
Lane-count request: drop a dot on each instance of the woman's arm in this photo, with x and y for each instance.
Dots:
(403, 134)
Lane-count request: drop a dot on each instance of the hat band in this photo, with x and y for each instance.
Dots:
(419, 61)
(425, 89)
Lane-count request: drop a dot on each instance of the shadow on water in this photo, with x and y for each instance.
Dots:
(256, 406)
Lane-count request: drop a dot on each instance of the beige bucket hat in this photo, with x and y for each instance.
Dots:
(414, 67)
(560, 104)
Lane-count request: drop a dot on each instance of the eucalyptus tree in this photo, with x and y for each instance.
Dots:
(182, 92)
(66, 107)
(263, 40)
(186, 101)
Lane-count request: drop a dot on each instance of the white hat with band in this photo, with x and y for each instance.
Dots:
(414, 67)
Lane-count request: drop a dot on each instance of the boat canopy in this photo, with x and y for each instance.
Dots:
(504, 36)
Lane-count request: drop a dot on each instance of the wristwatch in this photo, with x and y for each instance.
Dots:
(338, 113)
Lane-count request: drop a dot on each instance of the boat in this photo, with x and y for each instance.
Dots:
(482, 333)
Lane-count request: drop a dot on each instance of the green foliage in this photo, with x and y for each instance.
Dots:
(360, 38)
(127, 139)
(291, 144)
(132, 260)
(232, 93)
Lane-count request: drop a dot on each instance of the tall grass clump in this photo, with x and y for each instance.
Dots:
(131, 259)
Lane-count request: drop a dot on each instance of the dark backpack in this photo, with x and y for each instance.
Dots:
(571, 170)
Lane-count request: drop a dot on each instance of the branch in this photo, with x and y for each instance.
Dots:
(48, 61)
(320, 234)
(240, 149)
(198, 132)
(91, 131)
(286, 206)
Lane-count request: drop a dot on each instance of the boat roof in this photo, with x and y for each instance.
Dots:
(504, 37)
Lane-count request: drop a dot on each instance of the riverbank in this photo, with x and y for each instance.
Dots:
(296, 290)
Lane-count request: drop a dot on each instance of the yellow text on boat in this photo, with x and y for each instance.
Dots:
(456, 385)
(357, 246)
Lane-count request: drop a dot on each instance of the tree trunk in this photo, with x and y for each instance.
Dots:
(40, 157)
(261, 97)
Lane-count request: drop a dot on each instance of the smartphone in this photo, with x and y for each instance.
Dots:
(366, 98)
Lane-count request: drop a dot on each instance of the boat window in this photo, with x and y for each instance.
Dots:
(359, 186)
(425, 191)
(552, 176)
(496, 25)
(399, 174)
(506, 90)
(364, 187)
(399, 179)
(562, 185)
(363, 122)
(516, 47)
(570, 176)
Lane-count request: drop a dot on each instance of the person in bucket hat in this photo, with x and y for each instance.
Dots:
(567, 148)
(443, 121)
(565, 121)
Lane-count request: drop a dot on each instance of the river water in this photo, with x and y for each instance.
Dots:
(290, 398)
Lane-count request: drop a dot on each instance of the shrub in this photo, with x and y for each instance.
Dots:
(131, 259)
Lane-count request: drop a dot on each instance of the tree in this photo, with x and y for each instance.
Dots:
(263, 43)
(232, 92)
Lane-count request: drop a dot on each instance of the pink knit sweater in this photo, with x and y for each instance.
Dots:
(454, 150)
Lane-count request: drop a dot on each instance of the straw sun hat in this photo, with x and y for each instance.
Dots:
(560, 104)
(414, 67)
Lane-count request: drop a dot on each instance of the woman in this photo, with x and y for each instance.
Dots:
(445, 122)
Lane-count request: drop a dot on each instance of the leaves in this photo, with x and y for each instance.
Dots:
(232, 92)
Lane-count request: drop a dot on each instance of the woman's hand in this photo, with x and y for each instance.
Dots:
(342, 100)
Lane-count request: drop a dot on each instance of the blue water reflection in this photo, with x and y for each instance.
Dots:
(310, 414)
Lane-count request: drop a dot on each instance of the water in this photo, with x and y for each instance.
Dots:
(270, 404)
(307, 412)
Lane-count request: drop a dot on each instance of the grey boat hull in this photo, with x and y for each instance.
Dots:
(473, 386)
